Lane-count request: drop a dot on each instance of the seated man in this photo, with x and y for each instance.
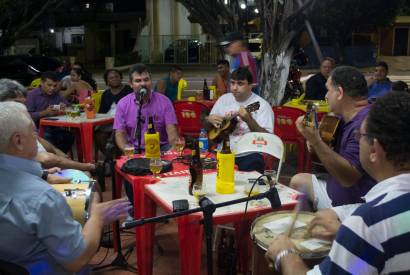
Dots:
(48, 155)
(37, 229)
(233, 104)
(154, 104)
(379, 83)
(373, 239)
(347, 181)
(221, 80)
(41, 103)
(169, 85)
(316, 85)
(110, 98)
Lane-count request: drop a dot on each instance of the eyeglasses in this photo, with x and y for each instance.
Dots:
(358, 135)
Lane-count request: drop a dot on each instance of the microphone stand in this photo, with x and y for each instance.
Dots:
(120, 260)
(208, 208)
(138, 128)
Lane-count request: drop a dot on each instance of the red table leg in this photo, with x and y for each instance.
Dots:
(87, 141)
(144, 236)
(41, 131)
(190, 244)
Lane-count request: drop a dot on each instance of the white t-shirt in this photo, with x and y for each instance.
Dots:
(40, 147)
(227, 104)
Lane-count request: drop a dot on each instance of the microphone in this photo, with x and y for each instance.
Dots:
(142, 92)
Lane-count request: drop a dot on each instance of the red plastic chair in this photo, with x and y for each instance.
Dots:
(189, 114)
(285, 128)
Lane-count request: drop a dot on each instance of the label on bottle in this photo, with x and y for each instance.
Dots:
(225, 165)
(152, 145)
(203, 143)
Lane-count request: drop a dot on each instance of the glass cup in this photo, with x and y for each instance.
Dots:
(199, 191)
(179, 146)
(248, 187)
(155, 166)
(129, 151)
(271, 177)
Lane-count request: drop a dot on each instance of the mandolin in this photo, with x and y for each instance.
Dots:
(228, 124)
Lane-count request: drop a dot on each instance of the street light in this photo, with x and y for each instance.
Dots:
(256, 10)
(243, 6)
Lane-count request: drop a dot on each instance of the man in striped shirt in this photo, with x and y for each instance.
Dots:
(375, 238)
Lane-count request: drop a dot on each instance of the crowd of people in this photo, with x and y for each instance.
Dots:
(362, 201)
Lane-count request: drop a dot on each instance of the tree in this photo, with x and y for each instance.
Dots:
(281, 21)
(214, 16)
(19, 16)
(339, 19)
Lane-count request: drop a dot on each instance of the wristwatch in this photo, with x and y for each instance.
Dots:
(282, 254)
(44, 175)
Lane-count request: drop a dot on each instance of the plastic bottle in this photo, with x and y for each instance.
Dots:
(151, 139)
(203, 140)
(225, 164)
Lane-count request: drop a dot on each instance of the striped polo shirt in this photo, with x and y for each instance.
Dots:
(375, 239)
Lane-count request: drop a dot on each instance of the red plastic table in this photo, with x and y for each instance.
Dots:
(190, 229)
(85, 126)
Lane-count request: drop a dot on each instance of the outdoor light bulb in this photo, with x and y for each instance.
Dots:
(51, 30)
(87, 5)
(256, 10)
(226, 2)
(243, 6)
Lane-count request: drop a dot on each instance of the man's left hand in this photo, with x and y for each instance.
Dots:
(311, 134)
(244, 115)
(279, 244)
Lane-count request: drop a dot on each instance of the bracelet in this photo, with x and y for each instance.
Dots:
(44, 175)
(282, 254)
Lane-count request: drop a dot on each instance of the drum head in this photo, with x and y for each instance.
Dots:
(263, 236)
(76, 175)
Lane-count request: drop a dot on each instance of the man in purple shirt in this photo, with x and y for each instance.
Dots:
(153, 104)
(347, 182)
(45, 101)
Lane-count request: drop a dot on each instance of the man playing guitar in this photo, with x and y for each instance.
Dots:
(234, 104)
(347, 181)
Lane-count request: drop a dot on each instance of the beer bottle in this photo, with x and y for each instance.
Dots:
(195, 168)
(205, 91)
(225, 165)
(151, 139)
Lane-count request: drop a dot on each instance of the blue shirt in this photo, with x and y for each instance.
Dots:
(375, 238)
(37, 230)
(378, 89)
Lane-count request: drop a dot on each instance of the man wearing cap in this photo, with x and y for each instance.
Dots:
(237, 48)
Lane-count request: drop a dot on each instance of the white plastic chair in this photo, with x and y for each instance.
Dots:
(262, 142)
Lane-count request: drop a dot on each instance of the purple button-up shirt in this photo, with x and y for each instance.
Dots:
(158, 106)
(38, 101)
(348, 147)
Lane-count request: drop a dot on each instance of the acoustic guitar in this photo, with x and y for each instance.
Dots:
(228, 124)
(328, 127)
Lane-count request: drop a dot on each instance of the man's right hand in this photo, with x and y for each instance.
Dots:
(215, 120)
(50, 111)
(110, 211)
(327, 219)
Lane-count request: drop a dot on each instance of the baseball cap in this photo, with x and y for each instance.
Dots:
(230, 37)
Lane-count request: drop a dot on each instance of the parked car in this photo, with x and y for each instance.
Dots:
(26, 68)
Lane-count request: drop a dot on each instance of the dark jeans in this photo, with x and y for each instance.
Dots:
(59, 137)
(252, 162)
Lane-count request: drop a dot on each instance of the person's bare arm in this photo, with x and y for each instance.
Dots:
(101, 214)
(161, 86)
(252, 124)
(172, 133)
(120, 139)
(335, 164)
(290, 264)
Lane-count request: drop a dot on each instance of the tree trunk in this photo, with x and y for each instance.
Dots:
(274, 75)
